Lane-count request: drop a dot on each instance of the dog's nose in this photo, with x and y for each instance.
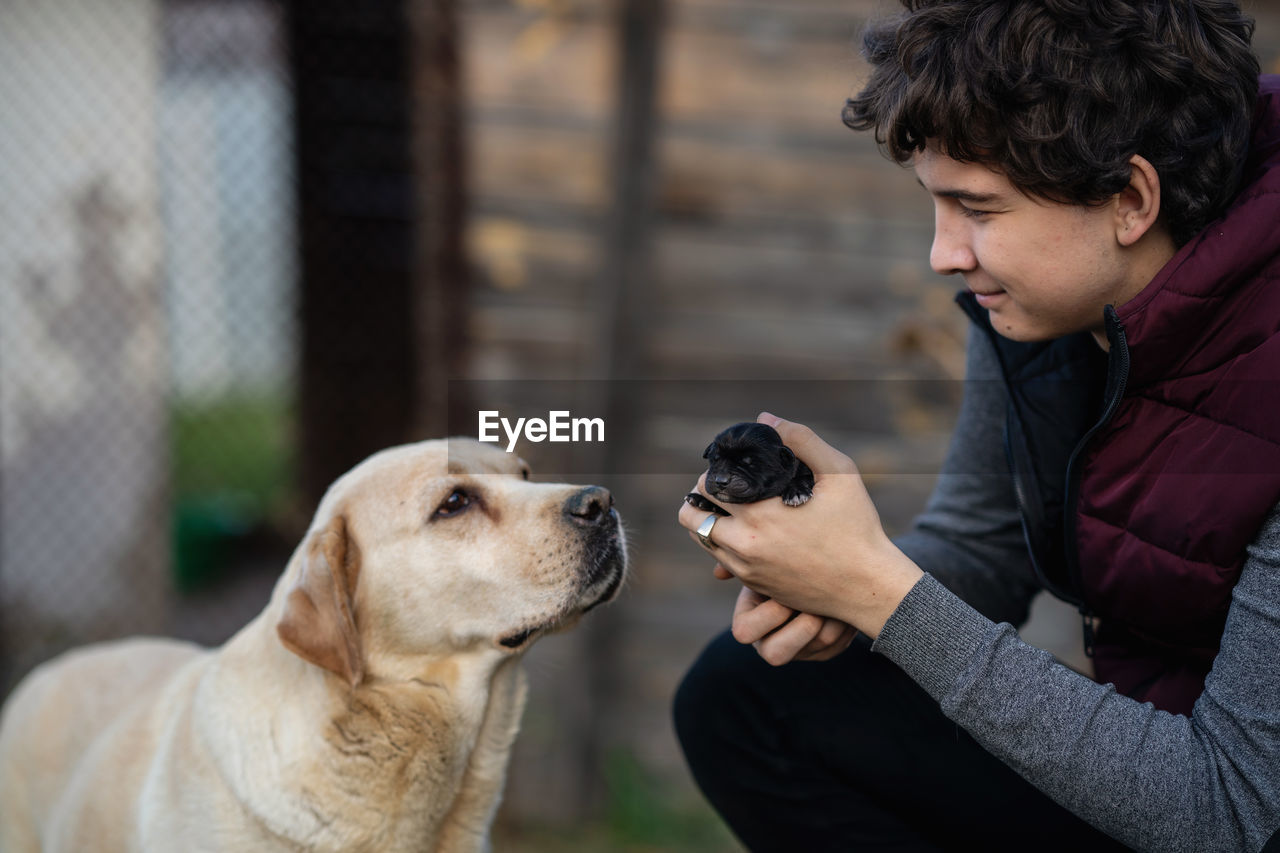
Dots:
(590, 506)
(717, 482)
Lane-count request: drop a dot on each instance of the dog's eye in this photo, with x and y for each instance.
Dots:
(457, 501)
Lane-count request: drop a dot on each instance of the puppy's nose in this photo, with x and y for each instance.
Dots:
(590, 506)
(717, 482)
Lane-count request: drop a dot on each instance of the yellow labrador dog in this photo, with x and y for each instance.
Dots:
(372, 704)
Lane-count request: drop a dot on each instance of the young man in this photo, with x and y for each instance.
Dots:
(1106, 181)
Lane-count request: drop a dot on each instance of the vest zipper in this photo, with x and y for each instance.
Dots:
(1087, 622)
(1117, 380)
(1019, 487)
(1020, 495)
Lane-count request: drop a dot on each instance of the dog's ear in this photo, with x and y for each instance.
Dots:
(318, 623)
(706, 454)
(784, 453)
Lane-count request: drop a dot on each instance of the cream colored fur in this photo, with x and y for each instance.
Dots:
(370, 707)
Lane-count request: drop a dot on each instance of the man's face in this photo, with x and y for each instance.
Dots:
(1041, 269)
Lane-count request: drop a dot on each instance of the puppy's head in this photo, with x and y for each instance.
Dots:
(747, 462)
(443, 547)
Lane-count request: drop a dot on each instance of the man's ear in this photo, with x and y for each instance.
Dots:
(318, 623)
(1138, 204)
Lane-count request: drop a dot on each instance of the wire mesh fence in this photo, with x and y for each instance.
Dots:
(148, 337)
(178, 270)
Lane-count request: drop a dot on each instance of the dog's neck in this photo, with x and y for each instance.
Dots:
(416, 764)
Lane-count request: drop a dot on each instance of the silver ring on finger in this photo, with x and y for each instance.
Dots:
(704, 531)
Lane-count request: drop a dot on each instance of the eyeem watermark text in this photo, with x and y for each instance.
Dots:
(559, 426)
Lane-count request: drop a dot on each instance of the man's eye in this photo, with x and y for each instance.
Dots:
(972, 213)
(457, 501)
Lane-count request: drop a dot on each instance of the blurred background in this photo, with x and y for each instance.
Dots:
(245, 243)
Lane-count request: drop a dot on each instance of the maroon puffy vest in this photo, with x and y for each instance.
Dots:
(1142, 475)
(1178, 482)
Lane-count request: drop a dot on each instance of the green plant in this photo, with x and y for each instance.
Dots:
(233, 469)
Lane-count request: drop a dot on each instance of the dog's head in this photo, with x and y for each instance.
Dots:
(746, 462)
(443, 547)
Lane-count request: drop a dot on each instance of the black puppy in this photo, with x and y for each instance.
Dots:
(747, 463)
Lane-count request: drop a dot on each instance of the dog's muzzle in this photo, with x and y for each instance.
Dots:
(604, 558)
(591, 511)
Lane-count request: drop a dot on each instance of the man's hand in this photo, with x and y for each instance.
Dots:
(780, 634)
(828, 558)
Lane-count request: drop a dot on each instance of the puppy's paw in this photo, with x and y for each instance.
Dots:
(697, 501)
(800, 489)
(796, 498)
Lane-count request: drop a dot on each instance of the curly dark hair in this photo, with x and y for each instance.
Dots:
(1059, 94)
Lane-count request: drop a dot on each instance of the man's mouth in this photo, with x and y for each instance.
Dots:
(987, 298)
(983, 291)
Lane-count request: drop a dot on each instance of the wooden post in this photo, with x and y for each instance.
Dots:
(440, 259)
(380, 207)
(619, 354)
(619, 345)
(351, 76)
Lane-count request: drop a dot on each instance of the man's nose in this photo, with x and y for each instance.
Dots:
(952, 251)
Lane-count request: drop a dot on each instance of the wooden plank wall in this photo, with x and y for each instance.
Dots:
(789, 271)
(788, 268)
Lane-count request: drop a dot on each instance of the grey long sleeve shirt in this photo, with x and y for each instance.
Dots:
(1154, 780)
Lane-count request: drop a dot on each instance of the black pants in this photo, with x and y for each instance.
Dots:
(851, 754)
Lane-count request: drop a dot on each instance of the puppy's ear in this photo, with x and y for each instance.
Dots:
(706, 454)
(785, 454)
(319, 623)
